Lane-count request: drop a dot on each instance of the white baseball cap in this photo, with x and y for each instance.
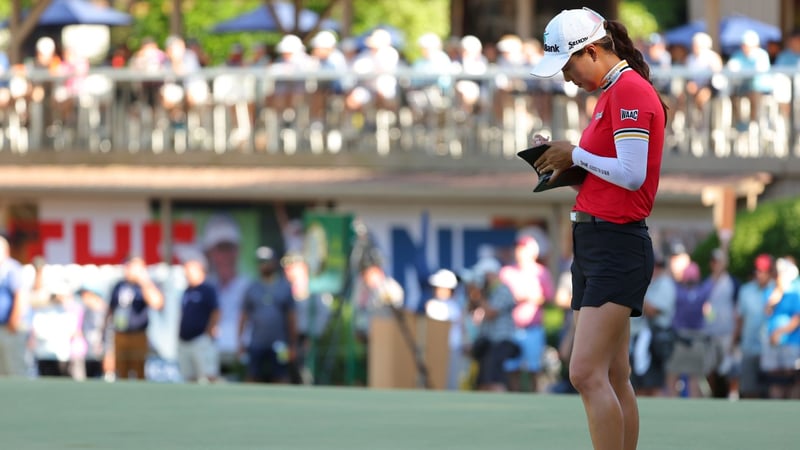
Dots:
(324, 39)
(220, 229)
(443, 278)
(568, 32)
(290, 44)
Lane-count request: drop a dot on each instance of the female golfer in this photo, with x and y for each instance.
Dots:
(613, 255)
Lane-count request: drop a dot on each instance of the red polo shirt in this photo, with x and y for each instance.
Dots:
(628, 108)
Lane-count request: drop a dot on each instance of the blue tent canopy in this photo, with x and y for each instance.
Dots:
(683, 34)
(73, 12)
(79, 12)
(731, 29)
(261, 19)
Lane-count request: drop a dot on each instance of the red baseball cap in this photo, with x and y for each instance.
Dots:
(763, 263)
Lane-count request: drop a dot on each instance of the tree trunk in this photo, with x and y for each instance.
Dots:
(20, 29)
(326, 13)
(176, 19)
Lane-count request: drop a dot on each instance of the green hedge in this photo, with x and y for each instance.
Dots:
(773, 228)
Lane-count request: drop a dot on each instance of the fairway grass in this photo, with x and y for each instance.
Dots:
(63, 414)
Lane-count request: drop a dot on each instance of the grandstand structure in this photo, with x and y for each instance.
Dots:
(429, 154)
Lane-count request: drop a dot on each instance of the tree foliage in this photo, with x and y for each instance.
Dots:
(666, 15)
(151, 19)
(637, 19)
(771, 228)
(412, 17)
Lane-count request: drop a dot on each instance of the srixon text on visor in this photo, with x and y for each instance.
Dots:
(572, 44)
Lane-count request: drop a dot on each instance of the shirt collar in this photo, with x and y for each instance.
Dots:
(613, 75)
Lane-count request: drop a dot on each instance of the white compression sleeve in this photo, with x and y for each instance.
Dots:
(628, 170)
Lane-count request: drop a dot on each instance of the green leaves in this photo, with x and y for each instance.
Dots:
(773, 228)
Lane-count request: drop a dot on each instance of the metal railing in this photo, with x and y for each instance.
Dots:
(254, 111)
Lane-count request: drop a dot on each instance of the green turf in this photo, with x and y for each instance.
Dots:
(54, 414)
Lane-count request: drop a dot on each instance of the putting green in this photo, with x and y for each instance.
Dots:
(63, 414)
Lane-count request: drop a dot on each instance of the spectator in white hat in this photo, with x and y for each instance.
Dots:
(510, 60)
(471, 62)
(750, 57)
(431, 76)
(186, 89)
(221, 242)
(292, 59)
(331, 62)
(702, 62)
(376, 65)
(444, 306)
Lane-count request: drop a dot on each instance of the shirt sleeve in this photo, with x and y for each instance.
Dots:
(502, 300)
(114, 299)
(546, 280)
(15, 279)
(213, 298)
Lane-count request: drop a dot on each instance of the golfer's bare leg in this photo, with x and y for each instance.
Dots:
(599, 333)
(620, 376)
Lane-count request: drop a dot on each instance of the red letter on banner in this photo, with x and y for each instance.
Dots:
(121, 249)
(182, 233)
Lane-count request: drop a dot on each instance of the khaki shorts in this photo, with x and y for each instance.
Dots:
(691, 356)
(198, 359)
(12, 353)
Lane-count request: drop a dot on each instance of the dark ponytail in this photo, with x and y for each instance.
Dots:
(622, 45)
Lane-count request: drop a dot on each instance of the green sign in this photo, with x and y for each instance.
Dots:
(326, 250)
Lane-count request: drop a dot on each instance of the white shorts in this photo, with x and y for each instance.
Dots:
(198, 359)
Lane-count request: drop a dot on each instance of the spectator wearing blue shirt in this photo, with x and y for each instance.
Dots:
(431, 76)
(12, 340)
(128, 309)
(790, 55)
(198, 357)
(269, 310)
(660, 60)
(751, 58)
(781, 347)
(750, 321)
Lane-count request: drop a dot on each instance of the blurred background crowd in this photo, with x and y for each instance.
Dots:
(706, 336)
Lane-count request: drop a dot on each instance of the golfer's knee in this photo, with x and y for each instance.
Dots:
(585, 377)
(620, 376)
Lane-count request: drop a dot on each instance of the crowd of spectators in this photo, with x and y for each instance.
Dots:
(719, 336)
(371, 74)
(714, 336)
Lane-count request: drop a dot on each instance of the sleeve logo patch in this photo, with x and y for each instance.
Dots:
(630, 114)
